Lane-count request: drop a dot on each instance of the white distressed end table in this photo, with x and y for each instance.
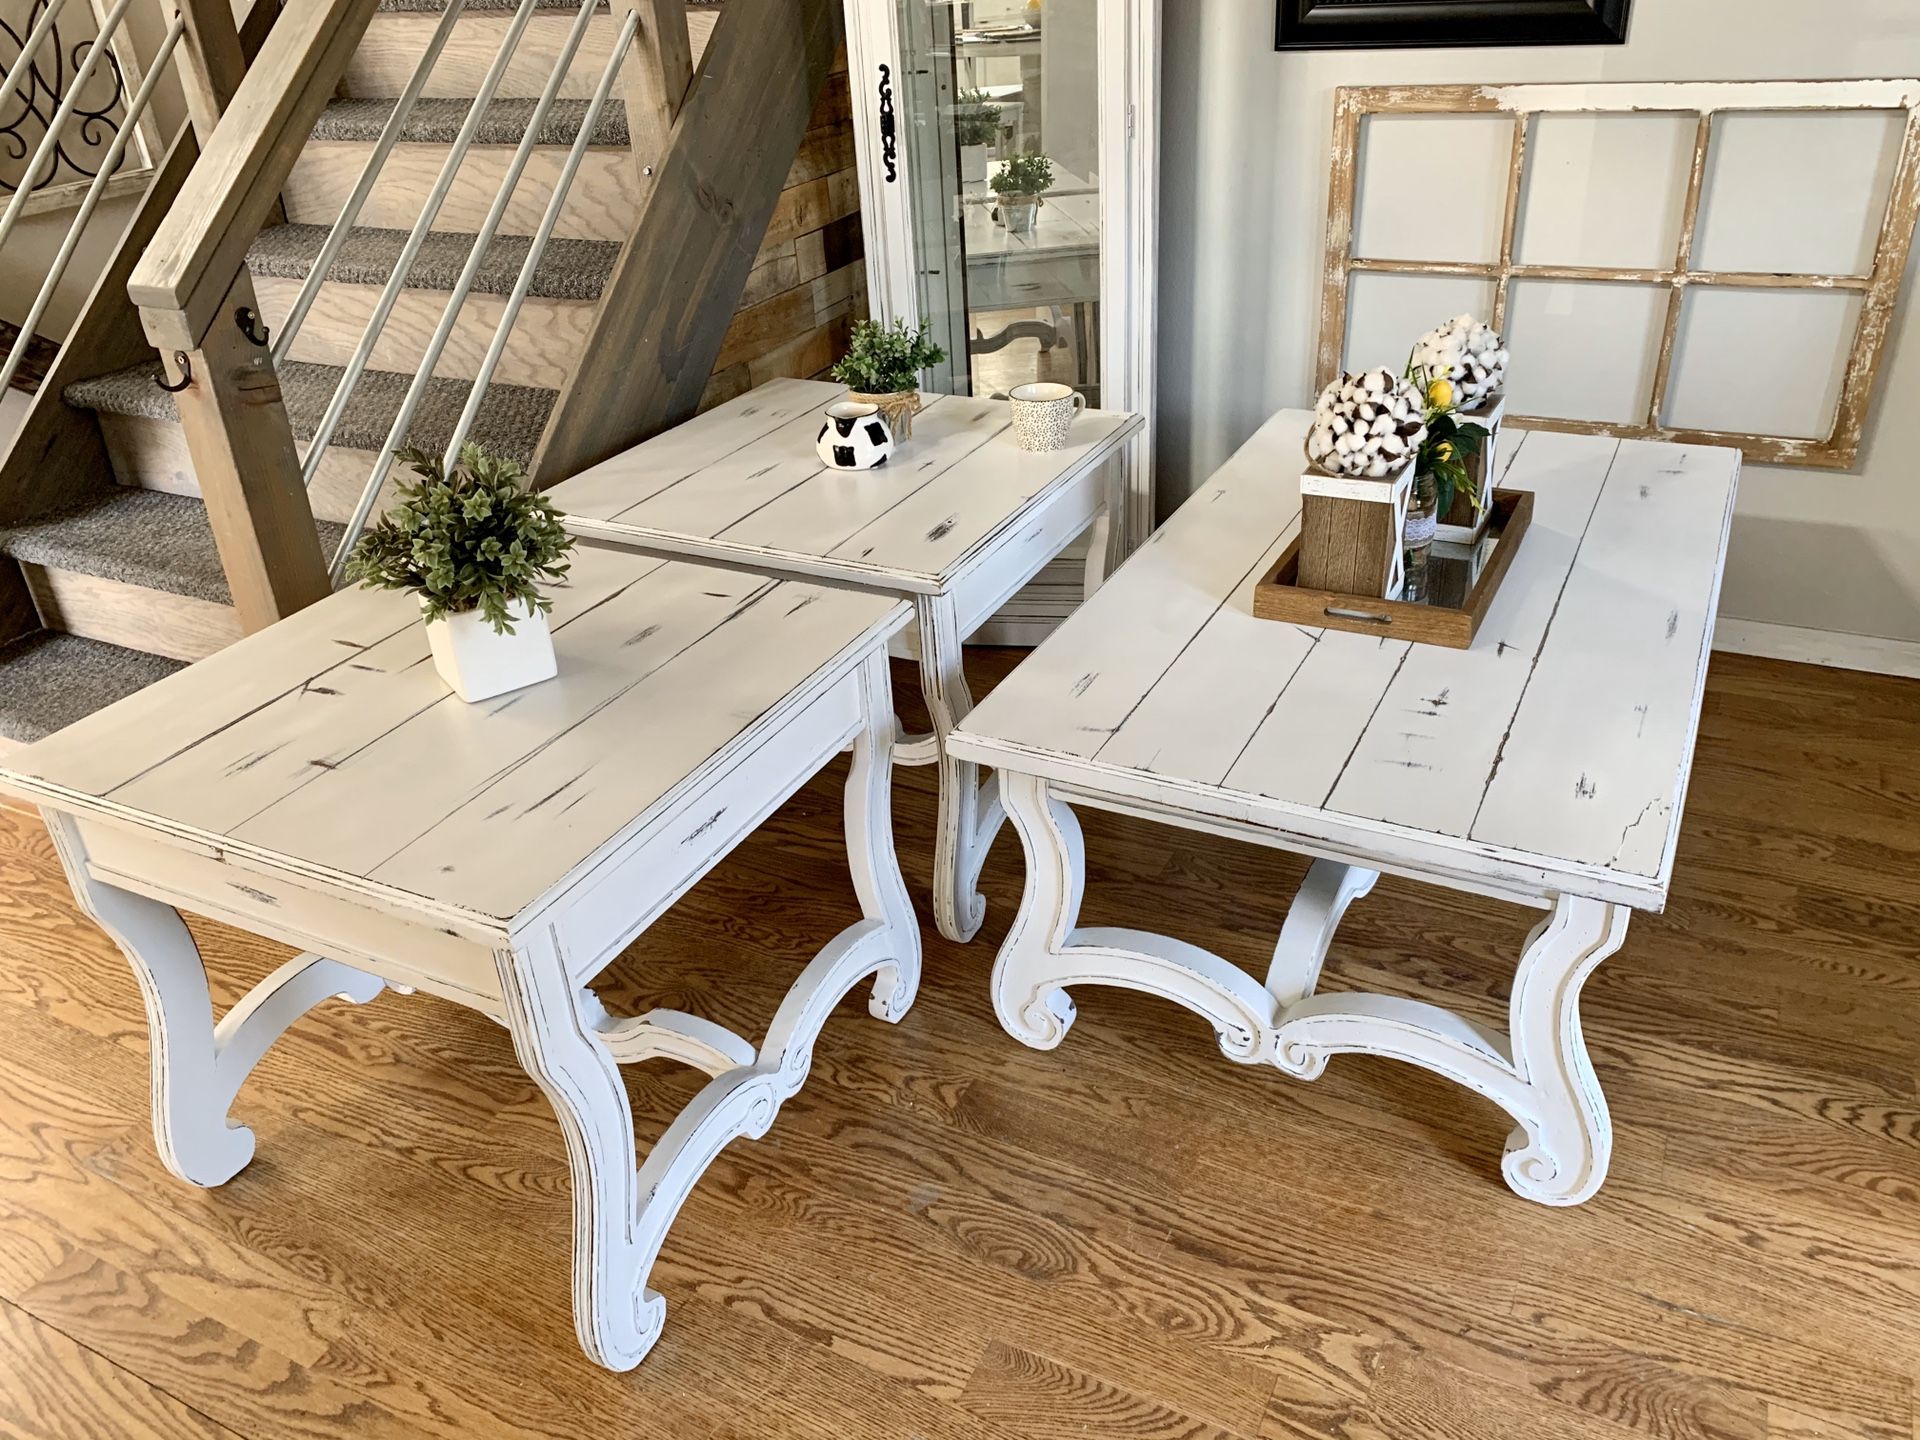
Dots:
(319, 785)
(958, 521)
(1546, 765)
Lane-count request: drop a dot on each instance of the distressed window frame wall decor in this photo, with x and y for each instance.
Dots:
(1361, 24)
(1708, 102)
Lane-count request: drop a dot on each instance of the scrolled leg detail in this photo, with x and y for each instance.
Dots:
(877, 880)
(959, 846)
(1560, 1156)
(198, 1067)
(556, 1039)
(1029, 1002)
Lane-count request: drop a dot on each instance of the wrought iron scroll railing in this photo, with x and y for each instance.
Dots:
(60, 99)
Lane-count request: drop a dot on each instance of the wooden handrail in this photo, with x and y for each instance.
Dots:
(201, 247)
(197, 303)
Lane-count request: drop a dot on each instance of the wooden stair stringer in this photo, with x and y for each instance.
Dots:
(676, 287)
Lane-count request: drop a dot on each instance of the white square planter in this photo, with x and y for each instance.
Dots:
(479, 664)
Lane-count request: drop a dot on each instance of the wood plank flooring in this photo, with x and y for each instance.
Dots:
(949, 1236)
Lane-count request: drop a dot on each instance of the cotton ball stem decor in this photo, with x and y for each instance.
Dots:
(1361, 453)
(1471, 359)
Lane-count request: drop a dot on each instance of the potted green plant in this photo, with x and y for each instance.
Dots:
(976, 126)
(1020, 183)
(475, 545)
(882, 367)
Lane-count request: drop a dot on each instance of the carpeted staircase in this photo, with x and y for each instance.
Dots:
(126, 566)
(135, 560)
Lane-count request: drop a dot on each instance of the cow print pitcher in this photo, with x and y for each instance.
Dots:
(854, 437)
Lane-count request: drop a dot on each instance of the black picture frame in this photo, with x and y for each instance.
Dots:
(1362, 24)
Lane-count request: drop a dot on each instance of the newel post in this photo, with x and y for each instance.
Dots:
(237, 431)
(213, 62)
(655, 79)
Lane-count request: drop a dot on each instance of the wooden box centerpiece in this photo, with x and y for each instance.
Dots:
(1361, 455)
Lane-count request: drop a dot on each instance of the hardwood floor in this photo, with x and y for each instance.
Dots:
(947, 1235)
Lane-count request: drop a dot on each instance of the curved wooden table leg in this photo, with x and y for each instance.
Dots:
(573, 1049)
(1539, 1074)
(1045, 951)
(877, 880)
(198, 1067)
(966, 825)
(1027, 996)
(1559, 1155)
(555, 1037)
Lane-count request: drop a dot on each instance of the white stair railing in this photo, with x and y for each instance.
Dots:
(363, 186)
(45, 154)
(476, 255)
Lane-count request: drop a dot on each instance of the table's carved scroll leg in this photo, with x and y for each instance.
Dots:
(1316, 912)
(1540, 1074)
(556, 1037)
(198, 1067)
(1044, 951)
(966, 827)
(1106, 541)
(877, 881)
(573, 1048)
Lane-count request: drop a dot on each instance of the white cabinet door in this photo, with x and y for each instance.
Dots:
(948, 95)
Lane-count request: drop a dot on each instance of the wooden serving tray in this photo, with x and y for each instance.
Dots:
(1432, 622)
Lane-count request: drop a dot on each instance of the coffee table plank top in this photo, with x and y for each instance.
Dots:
(1552, 756)
(327, 745)
(741, 484)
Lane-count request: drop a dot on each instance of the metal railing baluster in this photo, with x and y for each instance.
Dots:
(396, 282)
(462, 286)
(363, 187)
(555, 203)
(136, 107)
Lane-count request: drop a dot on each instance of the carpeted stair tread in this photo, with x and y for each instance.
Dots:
(438, 122)
(49, 679)
(137, 537)
(569, 269)
(509, 423)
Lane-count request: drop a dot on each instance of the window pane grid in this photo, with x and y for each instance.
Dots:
(1704, 102)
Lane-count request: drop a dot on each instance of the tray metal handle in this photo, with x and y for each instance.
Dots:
(1337, 612)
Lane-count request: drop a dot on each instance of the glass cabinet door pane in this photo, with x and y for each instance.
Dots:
(1004, 121)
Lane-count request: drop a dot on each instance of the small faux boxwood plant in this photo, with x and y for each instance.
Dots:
(886, 359)
(976, 120)
(473, 539)
(1028, 174)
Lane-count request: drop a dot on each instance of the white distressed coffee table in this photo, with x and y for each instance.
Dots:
(958, 521)
(1546, 765)
(317, 784)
